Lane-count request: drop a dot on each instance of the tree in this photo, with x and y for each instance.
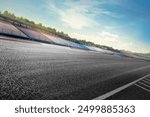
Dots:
(40, 25)
(6, 13)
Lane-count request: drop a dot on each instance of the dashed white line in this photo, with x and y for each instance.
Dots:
(142, 87)
(102, 97)
(146, 81)
(144, 84)
(148, 78)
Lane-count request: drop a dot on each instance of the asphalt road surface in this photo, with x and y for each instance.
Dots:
(42, 71)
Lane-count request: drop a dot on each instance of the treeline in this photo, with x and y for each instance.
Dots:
(53, 30)
(98, 46)
(142, 54)
(40, 25)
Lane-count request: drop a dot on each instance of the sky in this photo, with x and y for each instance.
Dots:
(121, 24)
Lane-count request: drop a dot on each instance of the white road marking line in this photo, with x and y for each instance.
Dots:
(142, 87)
(102, 97)
(144, 84)
(146, 81)
(148, 78)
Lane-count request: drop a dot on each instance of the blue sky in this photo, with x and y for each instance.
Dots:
(121, 24)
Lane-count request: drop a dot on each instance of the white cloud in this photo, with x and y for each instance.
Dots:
(103, 37)
(109, 37)
(75, 20)
(79, 14)
(73, 15)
